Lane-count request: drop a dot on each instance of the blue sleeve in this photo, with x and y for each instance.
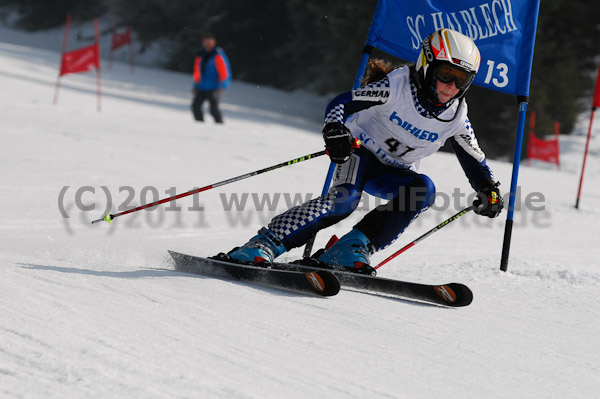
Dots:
(478, 173)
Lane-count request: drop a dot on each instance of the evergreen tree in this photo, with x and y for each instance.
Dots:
(564, 66)
(42, 14)
(293, 44)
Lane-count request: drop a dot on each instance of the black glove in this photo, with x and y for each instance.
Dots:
(489, 201)
(339, 142)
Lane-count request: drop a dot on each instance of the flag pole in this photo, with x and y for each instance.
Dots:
(557, 138)
(64, 49)
(523, 100)
(112, 40)
(595, 104)
(362, 66)
(98, 84)
(587, 146)
(131, 50)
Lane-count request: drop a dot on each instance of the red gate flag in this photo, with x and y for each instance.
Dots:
(121, 39)
(596, 103)
(544, 150)
(81, 60)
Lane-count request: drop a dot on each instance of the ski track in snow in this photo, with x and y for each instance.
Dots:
(98, 311)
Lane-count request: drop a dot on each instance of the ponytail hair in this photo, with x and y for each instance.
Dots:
(377, 69)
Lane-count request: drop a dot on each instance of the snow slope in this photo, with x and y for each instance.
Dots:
(97, 311)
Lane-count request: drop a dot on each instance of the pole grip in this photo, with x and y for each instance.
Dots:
(506, 244)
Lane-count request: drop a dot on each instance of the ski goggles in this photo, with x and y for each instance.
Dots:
(447, 73)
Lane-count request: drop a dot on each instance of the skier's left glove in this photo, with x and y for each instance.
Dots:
(339, 142)
(489, 201)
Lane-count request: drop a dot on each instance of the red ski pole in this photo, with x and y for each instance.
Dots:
(108, 218)
(424, 236)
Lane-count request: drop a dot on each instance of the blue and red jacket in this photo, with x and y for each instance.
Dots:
(212, 71)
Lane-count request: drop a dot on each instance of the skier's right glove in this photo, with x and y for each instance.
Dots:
(339, 143)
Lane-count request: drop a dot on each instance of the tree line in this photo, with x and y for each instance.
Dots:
(316, 46)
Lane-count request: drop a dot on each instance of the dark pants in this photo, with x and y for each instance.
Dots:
(213, 100)
(409, 193)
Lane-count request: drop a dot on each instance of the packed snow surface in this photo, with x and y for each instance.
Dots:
(97, 311)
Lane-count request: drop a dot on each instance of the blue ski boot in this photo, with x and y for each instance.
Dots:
(352, 252)
(262, 248)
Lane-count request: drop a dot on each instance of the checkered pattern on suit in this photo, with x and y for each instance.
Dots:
(335, 114)
(380, 84)
(302, 216)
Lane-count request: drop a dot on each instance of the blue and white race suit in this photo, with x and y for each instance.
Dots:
(396, 132)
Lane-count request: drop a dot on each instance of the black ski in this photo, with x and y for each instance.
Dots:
(319, 281)
(451, 294)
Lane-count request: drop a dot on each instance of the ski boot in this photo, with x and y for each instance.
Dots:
(261, 249)
(351, 253)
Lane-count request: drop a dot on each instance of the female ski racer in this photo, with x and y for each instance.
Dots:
(405, 116)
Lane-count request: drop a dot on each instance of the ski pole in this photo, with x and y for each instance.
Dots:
(326, 186)
(311, 241)
(424, 236)
(109, 217)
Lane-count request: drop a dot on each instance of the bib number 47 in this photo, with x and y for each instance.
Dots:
(394, 145)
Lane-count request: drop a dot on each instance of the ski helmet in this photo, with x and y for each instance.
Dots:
(447, 55)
